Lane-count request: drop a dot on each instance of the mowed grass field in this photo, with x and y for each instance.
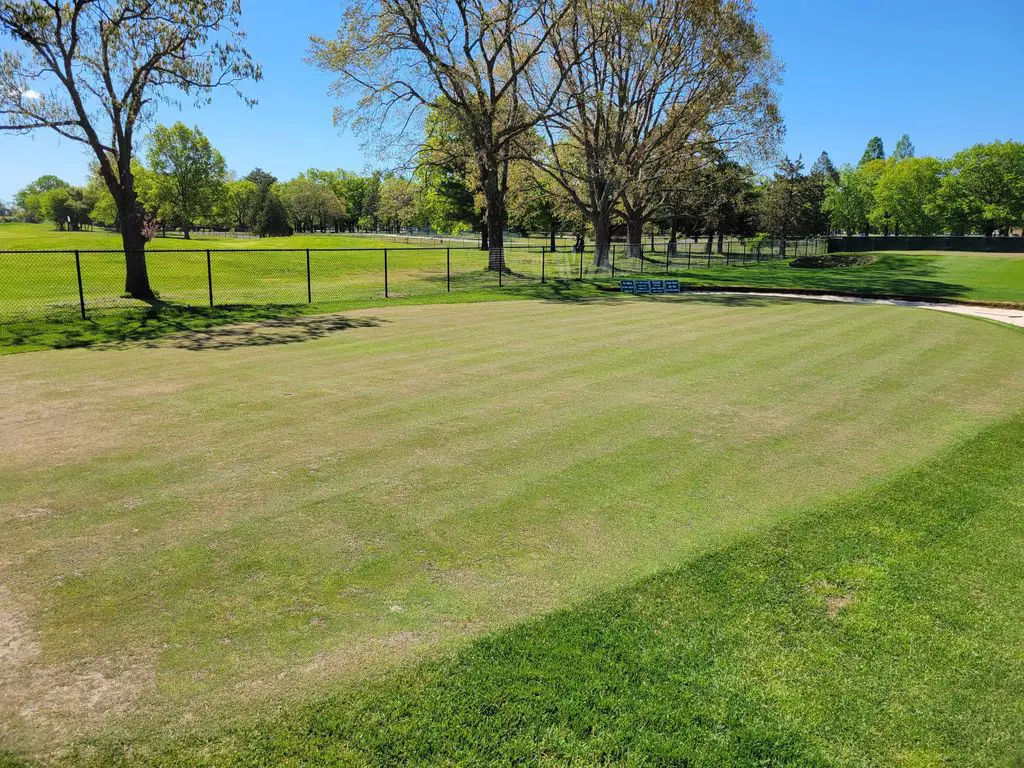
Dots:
(46, 283)
(730, 531)
(40, 291)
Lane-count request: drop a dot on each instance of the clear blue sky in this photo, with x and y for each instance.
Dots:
(949, 73)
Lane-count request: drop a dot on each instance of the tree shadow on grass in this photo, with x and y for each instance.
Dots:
(577, 292)
(892, 276)
(191, 327)
(264, 333)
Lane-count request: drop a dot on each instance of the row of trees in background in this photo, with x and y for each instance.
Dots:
(184, 184)
(978, 191)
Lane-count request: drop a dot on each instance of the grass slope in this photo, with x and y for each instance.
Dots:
(235, 520)
(883, 629)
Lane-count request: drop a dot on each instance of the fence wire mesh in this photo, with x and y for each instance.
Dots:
(75, 283)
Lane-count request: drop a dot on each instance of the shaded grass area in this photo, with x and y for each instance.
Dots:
(959, 277)
(881, 629)
(64, 330)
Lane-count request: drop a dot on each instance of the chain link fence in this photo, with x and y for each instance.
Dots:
(64, 283)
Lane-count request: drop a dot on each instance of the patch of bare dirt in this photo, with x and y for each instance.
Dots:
(834, 604)
(46, 705)
(836, 601)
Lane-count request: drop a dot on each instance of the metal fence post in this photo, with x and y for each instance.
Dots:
(689, 254)
(209, 275)
(385, 273)
(667, 254)
(501, 269)
(581, 264)
(543, 264)
(81, 293)
(448, 267)
(309, 281)
(613, 259)
(642, 259)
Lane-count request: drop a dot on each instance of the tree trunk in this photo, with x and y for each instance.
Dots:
(711, 242)
(672, 244)
(551, 231)
(186, 231)
(721, 239)
(635, 234)
(602, 223)
(136, 277)
(495, 217)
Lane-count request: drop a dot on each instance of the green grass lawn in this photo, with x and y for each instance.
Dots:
(39, 296)
(971, 277)
(302, 515)
(42, 284)
(870, 633)
(42, 288)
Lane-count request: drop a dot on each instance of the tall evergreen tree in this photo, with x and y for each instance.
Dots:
(260, 178)
(785, 202)
(273, 218)
(825, 169)
(904, 149)
(874, 151)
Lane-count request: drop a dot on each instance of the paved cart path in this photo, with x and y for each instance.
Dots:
(999, 314)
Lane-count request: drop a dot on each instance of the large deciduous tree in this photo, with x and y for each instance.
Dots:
(904, 196)
(399, 203)
(93, 70)
(646, 83)
(30, 198)
(475, 59)
(983, 189)
(850, 201)
(311, 203)
(189, 171)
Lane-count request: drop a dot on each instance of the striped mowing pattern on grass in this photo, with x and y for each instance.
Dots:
(250, 515)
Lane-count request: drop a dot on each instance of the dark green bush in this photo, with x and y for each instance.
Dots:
(830, 260)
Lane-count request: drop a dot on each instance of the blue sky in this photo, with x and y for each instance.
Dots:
(950, 74)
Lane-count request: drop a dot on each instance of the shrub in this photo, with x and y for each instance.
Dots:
(831, 260)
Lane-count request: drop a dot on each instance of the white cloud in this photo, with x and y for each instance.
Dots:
(30, 94)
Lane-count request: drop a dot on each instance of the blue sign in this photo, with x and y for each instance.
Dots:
(643, 287)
